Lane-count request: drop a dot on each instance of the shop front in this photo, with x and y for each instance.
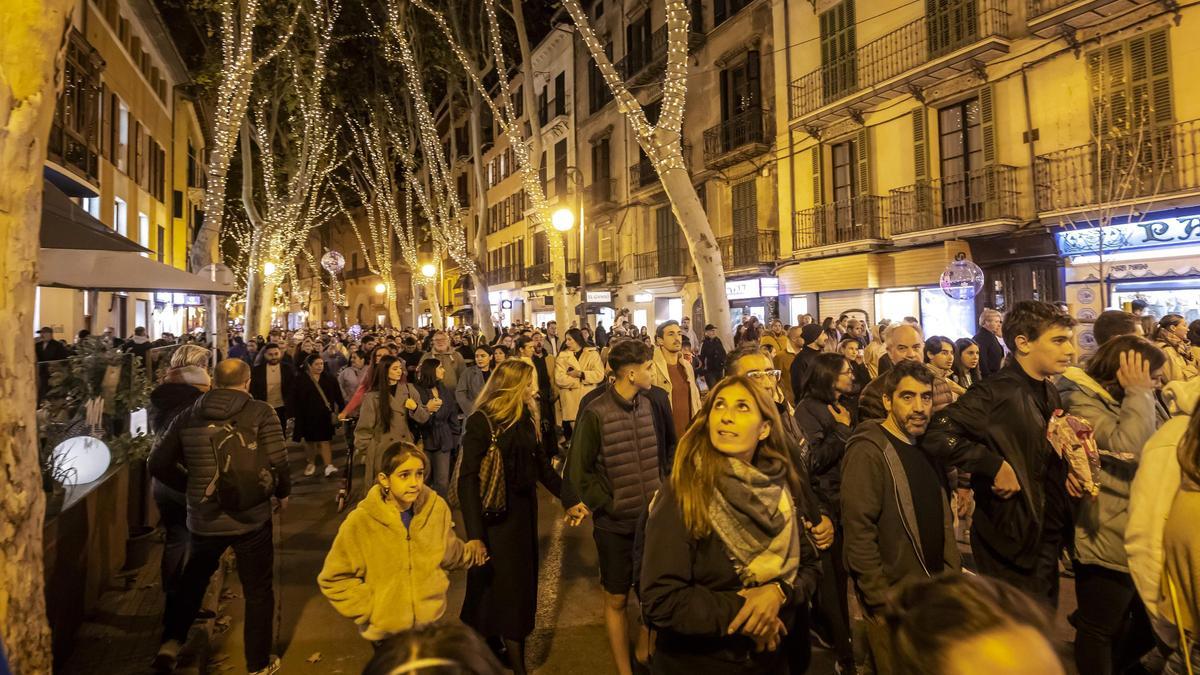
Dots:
(757, 297)
(600, 308)
(1155, 259)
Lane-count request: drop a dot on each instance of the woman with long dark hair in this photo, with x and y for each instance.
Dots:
(1116, 395)
(939, 359)
(966, 363)
(826, 422)
(388, 412)
(501, 599)
(718, 581)
(317, 400)
(440, 433)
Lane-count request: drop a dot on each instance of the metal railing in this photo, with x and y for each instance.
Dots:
(538, 274)
(844, 222)
(601, 191)
(984, 194)
(504, 275)
(1036, 8)
(957, 24)
(753, 248)
(1135, 165)
(670, 262)
(643, 174)
(753, 126)
(644, 60)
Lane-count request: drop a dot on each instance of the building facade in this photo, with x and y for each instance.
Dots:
(128, 146)
(1003, 131)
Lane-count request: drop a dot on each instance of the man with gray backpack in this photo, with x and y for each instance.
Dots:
(226, 452)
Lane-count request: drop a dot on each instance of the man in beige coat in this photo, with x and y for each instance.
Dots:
(675, 375)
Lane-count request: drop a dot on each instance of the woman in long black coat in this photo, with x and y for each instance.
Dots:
(501, 598)
(316, 397)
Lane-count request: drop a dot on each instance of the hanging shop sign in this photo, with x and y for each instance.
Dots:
(748, 289)
(1150, 233)
(599, 296)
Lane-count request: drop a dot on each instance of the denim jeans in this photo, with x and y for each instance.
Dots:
(255, 564)
(439, 471)
(1113, 631)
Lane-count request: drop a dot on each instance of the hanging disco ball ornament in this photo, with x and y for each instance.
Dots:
(962, 279)
(333, 262)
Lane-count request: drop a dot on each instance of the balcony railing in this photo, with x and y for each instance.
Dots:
(504, 275)
(602, 192)
(645, 60)
(746, 130)
(538, 274)
(746, 250)
(670, 262)
(1145, 163)
(859, 219)
(957, 24)
(1049, 18)
(643, 174)
(600, 273)
(990, 193)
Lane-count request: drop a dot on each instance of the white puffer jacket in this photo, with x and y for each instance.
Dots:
(1153, 492)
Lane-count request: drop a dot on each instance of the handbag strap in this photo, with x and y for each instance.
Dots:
(1184, 644)
(321, 391)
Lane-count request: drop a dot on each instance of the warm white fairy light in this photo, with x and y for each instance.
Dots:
(505, 114)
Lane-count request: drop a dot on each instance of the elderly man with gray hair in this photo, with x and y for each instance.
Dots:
(991, 343)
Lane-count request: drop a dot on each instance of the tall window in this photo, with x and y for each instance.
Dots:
(637, 43)
(144, 232)
(951, 24)
(560, 168)
(560, 94)
(75, 135)
(601, 160)
(843, 172)
(122, 149)
(120, 217)
(725, 9)
(598, 91)
(741, 87)
(161, 249)
(745, 223)
(839, 55)
(960, 138)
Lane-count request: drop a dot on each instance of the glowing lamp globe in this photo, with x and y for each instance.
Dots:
(380, 288)
(429, 270)
(563, 220)
(269, 268)
(86, 458)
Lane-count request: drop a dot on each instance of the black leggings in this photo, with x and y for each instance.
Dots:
(831, 605)
(1112, 629)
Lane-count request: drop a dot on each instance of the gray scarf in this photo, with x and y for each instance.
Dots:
(753, 514)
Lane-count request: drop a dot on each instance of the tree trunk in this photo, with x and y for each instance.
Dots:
(435, 305)
(392, 305)
(706, 256)
(253, 283)
(481, 302)
(262, 324)
(33, 33)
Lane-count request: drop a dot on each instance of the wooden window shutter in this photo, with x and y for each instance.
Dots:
(862, 162)
(987, 120)
(106, 121)
(1150, 79)
(920, 145)
(818, 176)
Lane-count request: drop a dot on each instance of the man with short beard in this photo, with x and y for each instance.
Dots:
(903, 343)
(895, 506)
(272, 381)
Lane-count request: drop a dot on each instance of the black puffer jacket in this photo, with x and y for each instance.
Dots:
(166, 401)
(183, 459)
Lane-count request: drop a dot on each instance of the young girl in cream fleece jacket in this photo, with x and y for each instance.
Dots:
(387, 567)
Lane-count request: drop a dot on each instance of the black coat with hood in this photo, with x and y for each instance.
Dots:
(166, 401)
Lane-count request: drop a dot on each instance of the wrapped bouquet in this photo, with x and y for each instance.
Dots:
(1074, 440)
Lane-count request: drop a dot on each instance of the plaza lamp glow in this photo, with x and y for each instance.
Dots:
(563, 220)
(269, 268)
(380, 288)
(429, 270)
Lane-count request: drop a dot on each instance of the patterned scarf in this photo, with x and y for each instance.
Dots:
(753, 514)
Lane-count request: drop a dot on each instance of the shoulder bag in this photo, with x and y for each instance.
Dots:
(493, 494)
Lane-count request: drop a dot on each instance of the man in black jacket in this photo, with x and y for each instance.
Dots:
(991, 349)
(272, 381)
(613, 466)
(184, 459)
(997, 432)
(814, 342)
(712, 356)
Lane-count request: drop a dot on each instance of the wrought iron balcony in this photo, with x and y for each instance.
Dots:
(1048, 18)
(745, 135)
(1145, 163)
(749, 250)
(504, 275)
(858, 221)
(980, 196)
(538, 274)
(646, 60)
(954, 38)
(601, 194)
(643, 175)
(600, 273)
(670, 262)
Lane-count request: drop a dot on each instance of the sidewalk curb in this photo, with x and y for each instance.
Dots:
(200, 640)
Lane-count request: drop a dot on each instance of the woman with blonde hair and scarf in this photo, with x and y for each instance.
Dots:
(726, 569)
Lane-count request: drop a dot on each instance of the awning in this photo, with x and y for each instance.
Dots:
(66, 226)
(119, 271)
(462, 311)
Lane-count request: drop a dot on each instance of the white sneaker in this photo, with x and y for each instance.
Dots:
(272, 667)
(310, 469)
(330, 470)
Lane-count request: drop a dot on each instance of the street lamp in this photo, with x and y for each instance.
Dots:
(429, 270)
(269, 268)
(563, 220)
(380, 288)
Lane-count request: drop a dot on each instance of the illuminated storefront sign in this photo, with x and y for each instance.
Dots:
(747, 289)
(1149, 233)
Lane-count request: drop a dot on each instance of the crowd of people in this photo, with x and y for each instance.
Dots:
(740, 498)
